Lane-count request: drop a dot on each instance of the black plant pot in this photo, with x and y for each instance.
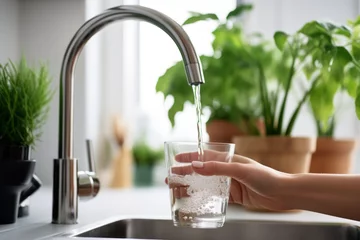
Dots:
(15, 177)
(10, 152)
(31, 188)
(17, 181)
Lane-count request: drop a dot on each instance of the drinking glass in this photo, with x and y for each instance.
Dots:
(197, 201)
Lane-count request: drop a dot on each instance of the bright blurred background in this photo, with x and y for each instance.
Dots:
(119, 67)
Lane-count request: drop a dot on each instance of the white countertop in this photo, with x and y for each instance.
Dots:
(136, 203)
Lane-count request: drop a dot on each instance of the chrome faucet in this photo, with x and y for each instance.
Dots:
(69, 184)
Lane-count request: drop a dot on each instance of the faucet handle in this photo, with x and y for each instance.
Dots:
(88, 182)
(90, 154)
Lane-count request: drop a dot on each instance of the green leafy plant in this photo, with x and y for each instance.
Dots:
(144, 154)
(313, 52)
(231, 91)
(325, 66)
(25, 95)
(331, 69)
(352, 75)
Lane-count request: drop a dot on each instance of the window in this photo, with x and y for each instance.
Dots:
(157, 52)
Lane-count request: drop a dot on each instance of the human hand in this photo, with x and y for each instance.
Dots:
(253, 184)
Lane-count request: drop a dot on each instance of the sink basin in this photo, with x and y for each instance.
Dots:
(233, 229)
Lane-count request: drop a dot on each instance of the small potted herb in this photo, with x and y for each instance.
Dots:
(145, 159)
(25, 95)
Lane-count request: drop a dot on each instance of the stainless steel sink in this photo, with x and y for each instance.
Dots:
(239, 230)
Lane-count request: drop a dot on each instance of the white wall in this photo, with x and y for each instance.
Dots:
(9, 31)
(45, 29)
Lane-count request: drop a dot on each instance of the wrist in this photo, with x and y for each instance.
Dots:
(289, 190)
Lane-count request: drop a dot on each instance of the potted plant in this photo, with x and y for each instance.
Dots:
(279, 149)
(24, 103)
(145, 158)
(231, 94)
(312, 43)
(333, 155)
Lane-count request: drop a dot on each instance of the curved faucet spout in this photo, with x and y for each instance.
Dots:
(174, 30)
(68, 184)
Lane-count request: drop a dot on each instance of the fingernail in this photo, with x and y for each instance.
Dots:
(197, 164)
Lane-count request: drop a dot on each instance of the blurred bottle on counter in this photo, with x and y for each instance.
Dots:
(121, 174)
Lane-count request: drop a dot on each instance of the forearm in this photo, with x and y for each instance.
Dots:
(337, 195)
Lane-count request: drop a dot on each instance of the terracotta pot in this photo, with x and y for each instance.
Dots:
(333, 156)
(286, 154)
(224, 131)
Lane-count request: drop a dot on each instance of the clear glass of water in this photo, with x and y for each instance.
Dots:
(197, 201)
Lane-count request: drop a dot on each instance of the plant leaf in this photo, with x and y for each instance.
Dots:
(322, 102)
(315, 28)
(355, 44)
(173, 83)
(356, 22)
(309, 69)
(200, 17)
(227, 38)
(341, 58)
(178, 106)
(357, 102)
(288, 83)
(280, 39)
(351, 80)
(343, 30)
(239, 10)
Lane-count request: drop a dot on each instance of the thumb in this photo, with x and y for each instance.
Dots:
(233, 170)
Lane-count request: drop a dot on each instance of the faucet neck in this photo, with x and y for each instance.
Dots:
(174, 30)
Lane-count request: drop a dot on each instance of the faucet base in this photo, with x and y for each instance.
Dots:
(65, 191)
